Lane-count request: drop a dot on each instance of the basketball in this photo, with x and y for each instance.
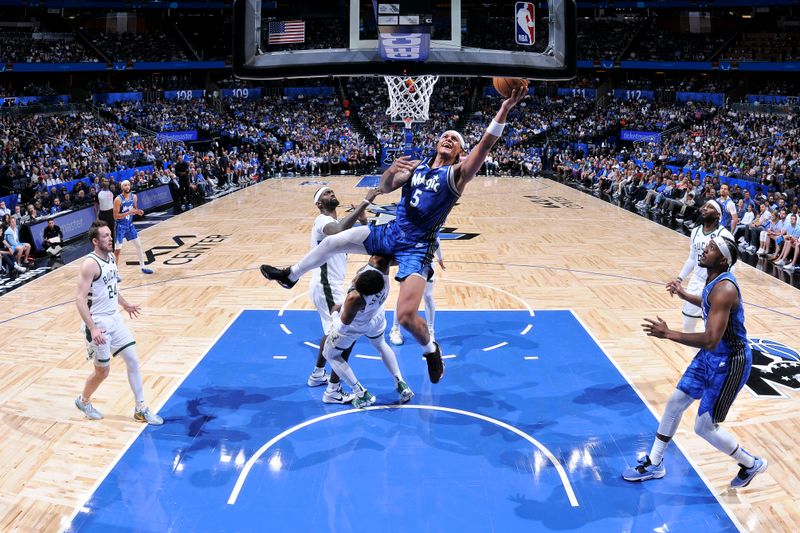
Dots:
(505, 85)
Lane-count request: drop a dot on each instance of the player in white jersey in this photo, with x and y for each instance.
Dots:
(395, 334)
(327, 282)
(125, 206)
(710, 228)
(106, 335)
(363, 313)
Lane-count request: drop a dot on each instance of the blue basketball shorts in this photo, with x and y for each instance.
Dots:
(126, 231)
(716, 379)
(412, 257)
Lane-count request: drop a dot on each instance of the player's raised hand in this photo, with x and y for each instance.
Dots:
(404, 164)
(655, 328)
(516, 96)
(674, 288)
(372, 194)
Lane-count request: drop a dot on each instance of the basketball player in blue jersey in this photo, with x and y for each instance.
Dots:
(430, 189)
(124, 209)
(716, 374)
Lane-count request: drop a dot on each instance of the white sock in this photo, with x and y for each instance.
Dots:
(318, 371)
(395, 320)
(430, 347)
(657, 451)
(139, 252)
(293, 275)
(333, 387)
(359, 389)
(743, 457)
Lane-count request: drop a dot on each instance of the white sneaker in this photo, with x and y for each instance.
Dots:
(88, 409)
(145, 415)
(317, 379)
(790, 268)
(19, 268)
(780, 262)
(396, 336)
(337, 396)
(761, 253)
(751, 249)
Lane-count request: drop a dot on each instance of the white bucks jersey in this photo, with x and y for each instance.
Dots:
(103, 293)
(331, 274)
(700, 240)
(373, 305)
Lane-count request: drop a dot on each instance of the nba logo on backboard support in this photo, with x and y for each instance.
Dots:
(526, 25)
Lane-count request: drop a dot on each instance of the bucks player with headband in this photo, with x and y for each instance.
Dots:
(106, 335)
(327, 282)
(430, 189)
(124, 209)
(716, 374)
(710, 213)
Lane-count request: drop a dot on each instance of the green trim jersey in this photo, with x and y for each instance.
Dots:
(331, 274)
(103, 296)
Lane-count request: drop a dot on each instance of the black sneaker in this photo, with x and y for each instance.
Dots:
(435, 364)
(281, 275)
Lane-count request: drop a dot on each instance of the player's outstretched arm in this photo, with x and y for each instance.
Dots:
(132, 309)
(722, 299)
(467, 169)
(398, 173)
(347, 222)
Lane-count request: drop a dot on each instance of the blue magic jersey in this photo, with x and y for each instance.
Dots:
(428, 196)
(126, 206)
(734, 339)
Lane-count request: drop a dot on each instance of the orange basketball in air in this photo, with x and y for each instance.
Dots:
(504, 86)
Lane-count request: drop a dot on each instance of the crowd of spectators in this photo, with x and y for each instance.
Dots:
(56, 48)
(660, 44)
(605, 38)
(765, 46)
(152, 45)
(783, 87)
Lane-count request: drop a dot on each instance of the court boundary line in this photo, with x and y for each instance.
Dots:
(67, 522)
(261, 451)
(655, 414)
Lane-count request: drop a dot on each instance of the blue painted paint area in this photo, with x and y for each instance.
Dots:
(369, 181)
(403, 469)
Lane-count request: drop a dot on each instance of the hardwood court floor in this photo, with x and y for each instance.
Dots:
(538, 240)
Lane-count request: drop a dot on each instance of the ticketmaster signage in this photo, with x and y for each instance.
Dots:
(186, 135)
(640, 136)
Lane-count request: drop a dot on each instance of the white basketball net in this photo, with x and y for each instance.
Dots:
(410, 97)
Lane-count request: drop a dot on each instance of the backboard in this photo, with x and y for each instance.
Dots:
(318, 38)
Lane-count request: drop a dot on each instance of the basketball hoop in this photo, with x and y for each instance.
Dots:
(410, 97)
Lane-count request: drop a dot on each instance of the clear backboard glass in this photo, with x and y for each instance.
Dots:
(314, 38)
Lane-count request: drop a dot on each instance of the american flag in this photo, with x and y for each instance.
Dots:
(287, 31)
